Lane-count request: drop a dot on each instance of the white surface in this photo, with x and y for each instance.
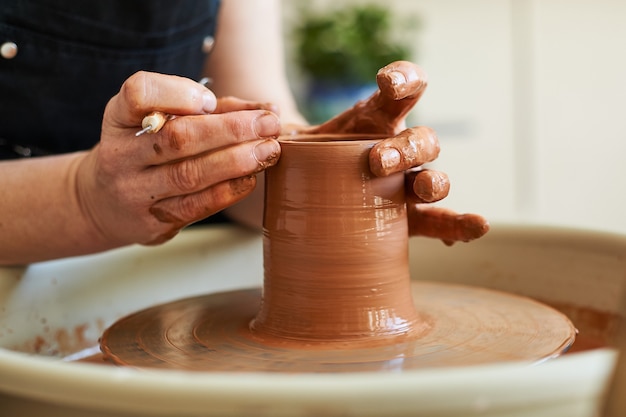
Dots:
(90, 292)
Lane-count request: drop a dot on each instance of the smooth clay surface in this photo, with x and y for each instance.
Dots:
(461, 325)
(337, 293)
(335, 245)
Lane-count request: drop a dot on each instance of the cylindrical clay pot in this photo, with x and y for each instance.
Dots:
(335, 245)
(337, 296)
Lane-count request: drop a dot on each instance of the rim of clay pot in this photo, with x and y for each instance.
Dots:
(335, 138)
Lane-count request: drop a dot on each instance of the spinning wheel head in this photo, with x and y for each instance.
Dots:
(460, 325)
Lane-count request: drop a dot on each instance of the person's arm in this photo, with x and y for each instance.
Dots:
(41, 214)
(136, 190)
(248, 62)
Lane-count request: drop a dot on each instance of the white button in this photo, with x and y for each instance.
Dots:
(8, 50)
(207, 44)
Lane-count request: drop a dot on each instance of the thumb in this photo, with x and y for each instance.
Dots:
(145, 92)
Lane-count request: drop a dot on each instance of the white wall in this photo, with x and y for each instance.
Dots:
(579, 112)
(529, 100)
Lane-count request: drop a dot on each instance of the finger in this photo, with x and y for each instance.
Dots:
(426, 186)
(177, 212)
(230, 104)
(409, 149)
(401, 84)
(145, 92)
(445, 224)
(186, 137)
(401, 80)
(192, 175)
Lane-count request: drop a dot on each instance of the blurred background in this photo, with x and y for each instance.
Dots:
(528, 97)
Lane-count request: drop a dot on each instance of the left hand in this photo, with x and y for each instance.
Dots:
(145, 190)
(401, 84)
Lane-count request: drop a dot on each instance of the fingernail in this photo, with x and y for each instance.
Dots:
(209, 102)
(266, 153)
(431, 186)
(397, 77)
(267, 125)
(389, 159)
(270, 107)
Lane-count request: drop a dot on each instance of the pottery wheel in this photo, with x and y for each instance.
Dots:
(464, 326)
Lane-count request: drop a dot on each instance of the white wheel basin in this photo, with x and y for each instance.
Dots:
(53, 309)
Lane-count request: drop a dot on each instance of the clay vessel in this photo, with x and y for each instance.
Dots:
(335, 245)
(337, 294)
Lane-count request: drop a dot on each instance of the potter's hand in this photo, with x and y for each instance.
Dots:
(427, 186)
(145, 189)
(401, 84)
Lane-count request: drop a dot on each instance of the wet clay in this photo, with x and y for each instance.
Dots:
(468, 326)
(335, 246)
(337, 295)
(400, 86)
(596, 330)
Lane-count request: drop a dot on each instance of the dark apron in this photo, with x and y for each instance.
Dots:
(73, 56)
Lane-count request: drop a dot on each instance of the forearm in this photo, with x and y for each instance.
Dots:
(248, 59)
(248, 62)
(40, 212)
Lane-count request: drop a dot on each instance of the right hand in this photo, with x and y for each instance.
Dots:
(401, 84)
(146, 189)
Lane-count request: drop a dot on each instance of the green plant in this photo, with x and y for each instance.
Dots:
(348, 45)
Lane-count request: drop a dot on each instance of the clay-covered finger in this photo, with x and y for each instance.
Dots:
(401, 79)
(191, 175)
(444, 224)
(409, 149)
(179, 211)
(426, 186)
(401, 84)
(145, 92)
(188, 136)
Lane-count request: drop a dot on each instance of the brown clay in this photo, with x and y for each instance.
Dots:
(401, 84)
(426, 186)
(445, 224)
(596, 329)
(337, 295)
(335, 245)
(468, 326)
